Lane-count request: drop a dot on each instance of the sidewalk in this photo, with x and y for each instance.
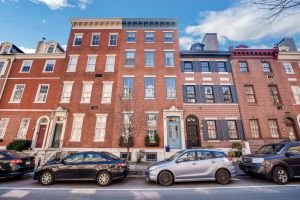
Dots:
(137, 170)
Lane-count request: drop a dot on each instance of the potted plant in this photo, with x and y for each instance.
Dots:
(168, 148)
(148, 141)
(139, 155)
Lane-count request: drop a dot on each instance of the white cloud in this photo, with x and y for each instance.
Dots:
(53, 4)
(27, 50)
(44, 21)
(186, 42)
(243, 23)
(83, 3)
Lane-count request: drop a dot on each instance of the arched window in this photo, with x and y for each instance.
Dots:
(44, 120)
(50, 49)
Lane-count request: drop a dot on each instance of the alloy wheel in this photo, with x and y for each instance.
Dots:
(282, 176)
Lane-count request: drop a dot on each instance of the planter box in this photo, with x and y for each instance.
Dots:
(152, 144)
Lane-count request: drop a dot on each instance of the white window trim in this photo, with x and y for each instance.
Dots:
(77, 34)
(72, 56)
(2, 72)
(37, 93)
(23, 66)
(13, 92)
(106, 62)
(293, 72)
(63, 91)
(87, 63)
(103, 99)
(296, 94)
(81, 115)
(98, 116)
(91, 44)
(47, 61)
(4, 128)
(83, 85)
(109, 39)
(25, 129)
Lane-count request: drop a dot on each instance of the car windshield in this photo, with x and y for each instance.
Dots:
(270, 149)
(175, 155)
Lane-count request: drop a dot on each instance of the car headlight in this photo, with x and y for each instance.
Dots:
(258, 160)
(153, 168)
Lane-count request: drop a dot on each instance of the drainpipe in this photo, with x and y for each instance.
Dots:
(7, 75)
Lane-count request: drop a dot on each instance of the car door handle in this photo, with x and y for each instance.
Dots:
(194, 164)
(213, 161)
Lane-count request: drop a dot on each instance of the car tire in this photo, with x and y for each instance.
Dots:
(46, 178)
(165, 178)
(223, 177)
(104, 178)
(280, 175)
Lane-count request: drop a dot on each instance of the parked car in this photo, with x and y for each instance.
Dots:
(101, 167)
(192, 165)
(15, 164)
(280, 162)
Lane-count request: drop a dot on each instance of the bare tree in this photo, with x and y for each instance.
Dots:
(277, 8)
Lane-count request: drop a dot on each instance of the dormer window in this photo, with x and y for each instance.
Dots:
(6, 50)
(197, 48)
(50, 49)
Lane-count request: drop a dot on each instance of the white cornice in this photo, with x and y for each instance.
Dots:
(109, 23)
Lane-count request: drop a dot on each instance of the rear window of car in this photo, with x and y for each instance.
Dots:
(112, 156)
(219, 154)
(270, 149)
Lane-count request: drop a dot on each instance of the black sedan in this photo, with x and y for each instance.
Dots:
(102, 167)
(15, 164)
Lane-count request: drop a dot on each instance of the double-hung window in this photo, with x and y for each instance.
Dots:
(274, 93)
(72, 63)
(190, 94)
(288, 68)
(130, 58)
(296, 93)
(23, 128)
(110, 63)
(168, 37)
(127, 87)
(232, 129)
(149, 58)
(169, 59)
(209, 94)
(100, 127)
(149, 36)
(86, 92)
(113, 39)
(254, 128)
(273, 125)
(3, 126)
(2, 69)
(17, 93)
(243, 67)
(131, 37)
(95, 39)
(26, 65)
(222, 67)
(249, 91)
(49, 66)
(91, 63)
(227, 97)
(107, 92)
(66, 92)
(211, 129)
(188, 67)
(149, 87)
(151, 126)
(42, 92)
(77, 39)
(266, 67)
(171, 87)
(204, 66)
(76, 127)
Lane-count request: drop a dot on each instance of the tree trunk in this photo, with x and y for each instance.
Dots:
(128, 148)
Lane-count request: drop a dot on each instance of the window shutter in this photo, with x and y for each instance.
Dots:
(240, 129)
(184, 93)
(198, 93)
(220, 130)
(201, 94)
(182, 66)
(225, 129)
(228, 66)
(212, 66)
(205, 132)
(194, 66)
(216, 93)
(199, 69)
(233, 94)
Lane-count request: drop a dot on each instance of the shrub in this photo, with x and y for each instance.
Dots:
(210, 146)
(19, 145)
(156, 139)
(236, 145)
(147, 139)
(231, 154)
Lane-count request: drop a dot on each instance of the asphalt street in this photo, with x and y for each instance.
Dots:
(243, 187)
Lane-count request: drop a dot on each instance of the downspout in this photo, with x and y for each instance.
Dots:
(6, 78)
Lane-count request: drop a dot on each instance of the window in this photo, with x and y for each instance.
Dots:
(131, 36)
(72, 64)
(188, 156)
(17, 93)
(151, 156)
(130, 57)
(113, 39)
(23, 128)
(91, 63)
(190, 94)
(243, 67)
(50, 49)
(151, 126)
(204, 155)
(149, 87)
(66, 92)
(86, 92)
(211, 129)
(168, 37)
(273, 128)
(3, 126)
(254, 128)
(76, 127)
(188, 67)
(204, 67)
(149, 58)
(288, 68)
(227, 97)
(77, 40)
(219, 154)
(295, 150)
(26, 66)
(169, 58)
(94, 157)
(6, 50)
(49, 66)
(266, 67)
(100, 128)
(222, 67)
(127, 123)
(171, 87)
(107, 92)
(274, 93)
(296, 93)
(127, 87)
(232, 130)
(95, 39)
(149, 37)
(209, 95)
(75, 158)
(110, 63)
(41, 95)
(249, 93)
(124, 155)
(2, 68)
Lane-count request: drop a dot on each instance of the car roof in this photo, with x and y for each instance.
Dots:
(284, 143)
(206, 149)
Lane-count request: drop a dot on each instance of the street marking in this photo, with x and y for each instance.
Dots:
(146, 189)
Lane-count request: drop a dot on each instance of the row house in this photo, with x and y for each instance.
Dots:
(211, 110)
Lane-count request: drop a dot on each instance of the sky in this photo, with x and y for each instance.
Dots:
(24, 22)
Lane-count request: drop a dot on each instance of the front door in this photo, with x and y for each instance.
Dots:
(192, 132)
(174, 133)
(57, 135)
(41, 135)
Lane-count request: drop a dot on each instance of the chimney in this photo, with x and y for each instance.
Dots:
(40, 47)
(211, 42)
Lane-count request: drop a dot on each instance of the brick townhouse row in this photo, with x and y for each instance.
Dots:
(120, 72)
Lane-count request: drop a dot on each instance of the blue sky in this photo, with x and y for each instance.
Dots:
(24, 22)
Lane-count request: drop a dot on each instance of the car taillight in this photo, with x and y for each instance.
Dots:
(16, 161)
(121, 165)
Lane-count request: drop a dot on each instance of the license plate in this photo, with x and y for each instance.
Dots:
(28, 162)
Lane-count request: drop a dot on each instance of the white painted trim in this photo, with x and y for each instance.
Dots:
(129, 112)
(149, 49)
(210, 118)
(154, 112)
(27, 110)
(130, 49)
(149, 76)
(23, 66)
(169, 49)
(168, 31)
(124, 76)
(46, 62)
(231, 118)
(189, 84)
(170, 76)
(37, 93)
(35, 78)
(149, 31)
(107, 82)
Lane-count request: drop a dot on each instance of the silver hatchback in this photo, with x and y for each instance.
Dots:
(192, 165)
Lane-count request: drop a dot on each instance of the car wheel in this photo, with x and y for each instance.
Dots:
(165, 178)
(280, 176)
(104, 178)
(46, 178)
(223, 177)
